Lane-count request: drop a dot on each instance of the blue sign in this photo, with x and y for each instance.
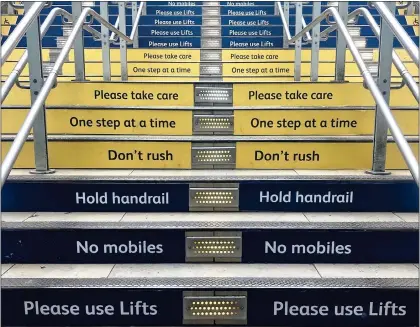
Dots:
(170, 42)
(301, 196)
(160, 306)
(252, 31)
(248, 42)
(131, 244)
(170, 31)
(170, 20)
(247, 11)
(246, 3)
(251, 21)
(173, 11)
(102, 197)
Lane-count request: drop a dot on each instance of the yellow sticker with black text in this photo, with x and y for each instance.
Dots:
(105, 121)
(314, 155)
(112, 154)
(318, 122)
(110, 94)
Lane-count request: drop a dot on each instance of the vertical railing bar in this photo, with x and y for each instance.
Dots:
(316, 11)
(106, 55)
(134, 10)
(36, 82)
(286, 10)
(123, 43)
(386, 42)
(340, 54)
(298, 43)
(79, 54)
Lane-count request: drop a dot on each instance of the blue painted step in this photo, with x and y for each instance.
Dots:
(383, 196)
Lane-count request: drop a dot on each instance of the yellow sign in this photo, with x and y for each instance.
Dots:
(413, 21)
(112, 154)
(318, 122)
(314, 155)
(313, 95)
(144, 55)
(111, 94)
(8, 20)
(105, 121)
(188, 72)
(240, 70)
(283, 55)
(177, 155)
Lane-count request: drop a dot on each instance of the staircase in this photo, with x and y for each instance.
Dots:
(210, 186)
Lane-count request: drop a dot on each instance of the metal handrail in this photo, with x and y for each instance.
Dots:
(405, 74)
(136, 20)
(14, 75)
(286, 26)
(396, 132)
(49, 83)
(134, 24)
(399, 32)
(20, 30)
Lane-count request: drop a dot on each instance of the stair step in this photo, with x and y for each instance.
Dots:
(164, 295)
(210, 152)
(253, 190)
(207, 237)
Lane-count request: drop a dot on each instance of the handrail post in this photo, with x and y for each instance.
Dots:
(298, 43)
(316, 11)
(134, 10)
(106, 56)
(123, 43)
(341, 46)
(79, 54)
(36, 80)
(386, 44)
(286, 11)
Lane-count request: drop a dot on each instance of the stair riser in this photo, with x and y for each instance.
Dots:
(301, 196)
(130, 244)
(165, 306)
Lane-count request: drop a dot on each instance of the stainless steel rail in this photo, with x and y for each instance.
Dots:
(14, 75)
(24, 131)
(407, 77)
(396, 132)
(12, 41)
(286, 26)
(399, 32)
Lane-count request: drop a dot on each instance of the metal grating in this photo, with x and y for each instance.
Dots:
(211, 11)
(214, 197)
(214, 94)
(213, 123)
(211, 69)
(215, 307)
(211, 32)
(211, 55)
(367, 54)
(211, 43)
(359, 41)
(354, 30)
(213, 246)
(212, 21)
(213, 155)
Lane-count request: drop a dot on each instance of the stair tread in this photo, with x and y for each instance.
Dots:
(213, 174)
(32, 275)
(209, 219)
